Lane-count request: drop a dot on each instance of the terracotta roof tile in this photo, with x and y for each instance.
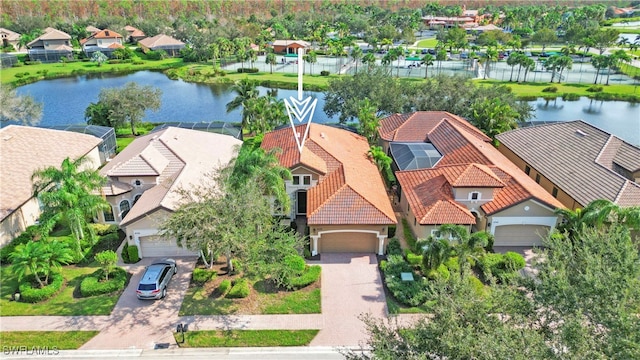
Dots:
(352, 191)
(578, 158)
(476, 175)
(25, 149)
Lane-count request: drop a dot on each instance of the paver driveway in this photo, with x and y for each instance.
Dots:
(141, 324)
(351, 286)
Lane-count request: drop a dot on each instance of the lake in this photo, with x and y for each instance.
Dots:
(66, 99)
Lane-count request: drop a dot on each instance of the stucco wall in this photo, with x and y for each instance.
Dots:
(149, 222)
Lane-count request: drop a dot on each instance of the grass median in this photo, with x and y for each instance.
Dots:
(245, 338)
(52, 340)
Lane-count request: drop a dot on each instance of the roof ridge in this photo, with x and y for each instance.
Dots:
(369, 202)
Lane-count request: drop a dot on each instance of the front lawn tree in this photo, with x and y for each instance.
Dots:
(544, 37)
(107, 260)
(18, 108)
(99, 58)
(124, 105)
(68, 193)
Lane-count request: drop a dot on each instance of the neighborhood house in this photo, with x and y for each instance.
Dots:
(105, 41)
(162, 42)
(24, 150)
(454, 175)
(144, 181)
(335, 188)
(51, 46)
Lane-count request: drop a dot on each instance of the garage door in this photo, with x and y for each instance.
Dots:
(155, 246)
(520, 235)
(348, 242)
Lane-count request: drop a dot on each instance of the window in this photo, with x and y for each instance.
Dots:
(108, 215)
(296, 180)
(135, 198)
(415, 221)
(137, 182)
(474, 195)
(306, 180)
(124, 208)
(538, 178)
(554, 192)
(527, 169)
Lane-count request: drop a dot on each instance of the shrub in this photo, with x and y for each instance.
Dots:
(201, 276)
(224, 287)
(514, 261)
(310, 275)
(31, 294)
(412, 293)
(115, 61)
(27, 235)
(112, 237)
(295, 263)
(237, 266)
(392, 231)
(125, 253)
(324, 73)
(442, 272)
(138, 62)
(107, 260)
(550, 89)
(132, 250)
(247, 70)
(452, 264)
(104, 229)
(95, 284)
(570, 97)
(414, 260)
(33, 62)
(408, 234)
(240, 289)
(394, 247)
(21, 74)
(595, 88)
(478, 287)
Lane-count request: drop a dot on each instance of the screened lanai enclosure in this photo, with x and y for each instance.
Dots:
(215, 127)
(412, 156)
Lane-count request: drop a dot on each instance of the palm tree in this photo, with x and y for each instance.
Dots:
(599, 62)
(489, 56)
(68, 193)
(271, 60)
(56, 255)
(370, 60)
(382, 160)
(597, 214)
(245, 90)
(356, 55)
(513, 60)
(435, 252)
(31, 257)
(427, 60)
(468, 246)
(265, 169)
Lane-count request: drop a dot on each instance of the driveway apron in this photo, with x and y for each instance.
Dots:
(141, 324)
(351, 287)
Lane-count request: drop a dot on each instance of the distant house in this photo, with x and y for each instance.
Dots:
(24, 150)
(463, 180)
(162, 42)
(134, 34)
(105, 41)
(289, 46)
(51, 46)
(144, 181)
(92, 29)
(435, 22)
(576, 162)
(336, 189)
(9, 38)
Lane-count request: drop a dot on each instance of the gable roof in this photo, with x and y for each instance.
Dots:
(580, 159)
(134, 32)
(290, 42)
(468, 160)
(350, 189)
(26, 149)
(9, 35)
(92, 29)
(160, 40)
(179, 157)
(102, 34)
(51, 34)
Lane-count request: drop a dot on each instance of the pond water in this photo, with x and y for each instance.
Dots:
(66, 99)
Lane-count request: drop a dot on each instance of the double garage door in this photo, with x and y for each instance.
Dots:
(520, 235)
(155, 246)
(348, 242)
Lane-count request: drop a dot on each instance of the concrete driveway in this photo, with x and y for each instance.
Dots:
(141, 324)
(351, 286)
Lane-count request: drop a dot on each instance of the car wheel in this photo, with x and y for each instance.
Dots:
(164, 293)
(175, 270)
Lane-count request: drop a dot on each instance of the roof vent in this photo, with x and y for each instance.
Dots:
(581, 133)
(7, 138)
(323, 135)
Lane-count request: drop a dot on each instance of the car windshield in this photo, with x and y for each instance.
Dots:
(147, 287)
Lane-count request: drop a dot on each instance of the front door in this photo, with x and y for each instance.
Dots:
(301, 202)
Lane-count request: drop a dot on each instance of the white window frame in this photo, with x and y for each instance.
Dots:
(120, 208)
(136, 198)
(136, 181)
(474, 193)
(110, 211)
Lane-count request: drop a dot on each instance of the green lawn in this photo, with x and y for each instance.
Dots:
(303, 301)
(123, 142)
(535, 89)
(53, 70)
(427, 43)
(58, 340)
(66, 303)
(246, 338)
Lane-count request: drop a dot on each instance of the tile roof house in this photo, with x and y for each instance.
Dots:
(471, 183)
(92, 29)
(134, 34)
(577, 162)
(336, 188)
(289, 46)
(145, 179)
(105, 41)
(23, 150)
(51, 46)
(162, 42)
(9, 38)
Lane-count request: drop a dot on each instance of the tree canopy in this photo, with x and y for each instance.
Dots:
(22, 109)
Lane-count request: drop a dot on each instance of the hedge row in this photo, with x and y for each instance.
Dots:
(411, 293)
(95, 284)
(224, 287)
(310, 275)
(239, 290)
(31, 294)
